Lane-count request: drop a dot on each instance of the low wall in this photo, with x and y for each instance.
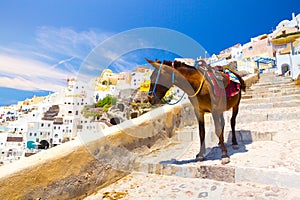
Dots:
(80, 167)
(251, 79)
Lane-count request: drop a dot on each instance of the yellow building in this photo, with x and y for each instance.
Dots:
(106, 79)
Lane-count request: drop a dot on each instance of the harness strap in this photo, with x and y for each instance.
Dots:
(200, 86)
(173, 74)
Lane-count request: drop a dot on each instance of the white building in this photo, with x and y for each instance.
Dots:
(286, 40)
(40, 133)
(12, 147)
(294, 22)
(139, 76)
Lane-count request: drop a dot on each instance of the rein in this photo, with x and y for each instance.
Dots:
(173, 81)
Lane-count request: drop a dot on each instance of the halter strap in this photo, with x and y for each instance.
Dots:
(173, 81)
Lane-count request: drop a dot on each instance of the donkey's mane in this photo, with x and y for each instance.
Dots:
(178, 64)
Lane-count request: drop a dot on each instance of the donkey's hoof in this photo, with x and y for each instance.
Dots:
(235, 146)
(225, 160)
(199, 158)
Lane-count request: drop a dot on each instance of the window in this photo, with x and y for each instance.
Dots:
(54, 128)
(41, 133)
(30, 134)
(34, 134)
(49, 125)
(250, 48)
(42, 125)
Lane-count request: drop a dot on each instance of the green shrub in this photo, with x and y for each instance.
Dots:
(287, 34)
(108, 100)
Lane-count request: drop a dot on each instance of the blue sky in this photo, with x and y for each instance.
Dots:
(42, 43)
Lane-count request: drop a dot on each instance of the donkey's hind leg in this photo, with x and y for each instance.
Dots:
(235, 111)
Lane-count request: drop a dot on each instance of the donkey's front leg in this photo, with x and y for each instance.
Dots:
(200, 155)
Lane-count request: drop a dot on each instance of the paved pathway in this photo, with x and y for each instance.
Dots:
(155, 187)
(266, 166)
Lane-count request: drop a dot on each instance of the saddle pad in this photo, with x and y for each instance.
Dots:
(232, 89)
(232, 77)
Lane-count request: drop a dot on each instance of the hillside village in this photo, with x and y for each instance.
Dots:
(40, 123)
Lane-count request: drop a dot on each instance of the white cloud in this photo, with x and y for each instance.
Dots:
(25, 84)
(46, 65)
(67, 41)
(27, 74)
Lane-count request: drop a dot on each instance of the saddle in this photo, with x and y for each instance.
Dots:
(221, 78)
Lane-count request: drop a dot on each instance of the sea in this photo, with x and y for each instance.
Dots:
(10, 96)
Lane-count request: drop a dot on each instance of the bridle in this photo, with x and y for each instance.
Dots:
(173, 81)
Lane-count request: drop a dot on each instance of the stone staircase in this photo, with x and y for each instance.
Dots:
(267, 164)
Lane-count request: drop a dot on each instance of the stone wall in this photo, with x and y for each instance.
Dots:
(251, 79)
(80, 167)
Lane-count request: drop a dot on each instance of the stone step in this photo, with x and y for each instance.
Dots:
(283, 92)
(271, 105)
(286, 88)
(272, 83)
(273, 77)
(275, 114)
(282, 169)
(258, 114)
(279, 131)
(271, 99)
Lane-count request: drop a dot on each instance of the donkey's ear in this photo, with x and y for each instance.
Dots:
(154, 64)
